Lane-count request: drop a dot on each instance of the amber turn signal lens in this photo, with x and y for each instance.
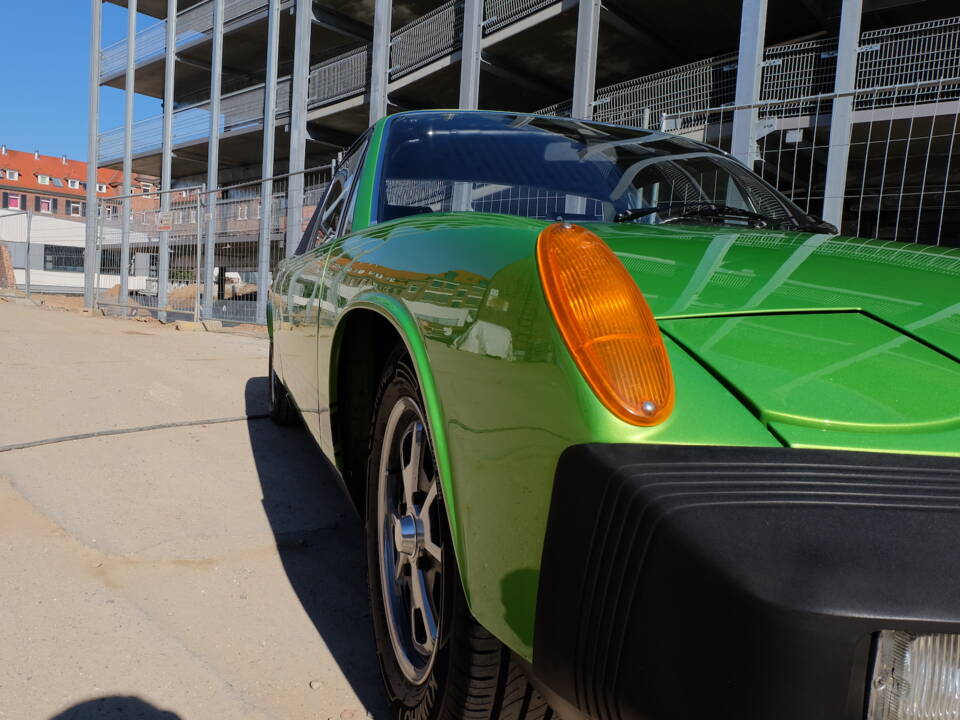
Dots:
(606, 323)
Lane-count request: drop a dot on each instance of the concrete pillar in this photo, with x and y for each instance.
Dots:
(93, 148)
(841, 119)
(585, 72)
(128, 89)
(753, 24)
(213, 157)
(380, 59)
(299, 86)
(266, 187)
(166, 159)
(470, 55)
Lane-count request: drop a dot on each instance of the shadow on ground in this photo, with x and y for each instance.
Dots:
(115, 708)
(319, 538)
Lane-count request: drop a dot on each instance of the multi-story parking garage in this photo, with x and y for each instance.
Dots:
(848, 106)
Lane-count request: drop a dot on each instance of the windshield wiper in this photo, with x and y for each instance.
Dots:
(702, 209)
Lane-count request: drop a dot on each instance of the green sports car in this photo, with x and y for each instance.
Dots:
(632, 435)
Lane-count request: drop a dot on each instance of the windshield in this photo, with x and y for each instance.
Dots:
(550, 168)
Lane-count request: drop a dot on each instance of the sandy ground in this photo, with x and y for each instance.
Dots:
(207, 571)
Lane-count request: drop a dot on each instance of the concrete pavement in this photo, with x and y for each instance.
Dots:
(207, 571)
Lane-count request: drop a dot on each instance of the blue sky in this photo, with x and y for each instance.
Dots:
(45, 87)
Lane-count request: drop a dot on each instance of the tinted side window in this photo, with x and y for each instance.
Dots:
(336, 198)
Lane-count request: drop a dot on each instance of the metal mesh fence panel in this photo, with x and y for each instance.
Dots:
(237, 212)
(903, 174)
(42, 252)
(177, 294)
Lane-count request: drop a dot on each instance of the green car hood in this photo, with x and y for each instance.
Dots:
(830, 341)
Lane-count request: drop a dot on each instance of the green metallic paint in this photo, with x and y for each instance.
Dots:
(504, 398)
(832, 372)
(501, 413)
(392, 310)
(363, 210)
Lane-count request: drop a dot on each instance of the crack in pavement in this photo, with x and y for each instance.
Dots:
(125, 431)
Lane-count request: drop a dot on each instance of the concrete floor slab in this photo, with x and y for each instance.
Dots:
(208, 571)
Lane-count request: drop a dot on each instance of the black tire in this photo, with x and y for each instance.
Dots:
(472, 675)
(282, 411)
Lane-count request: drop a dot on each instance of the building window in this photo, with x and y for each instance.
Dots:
(75, 209)
(13, 202)
(110, 261)
(73, 184)
(43, 179)
(62, 259)
(46, 205)
(101, 188)
(242, 211)
(13, 175)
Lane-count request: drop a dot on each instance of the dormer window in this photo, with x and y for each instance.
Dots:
(73, 184)
(101, 188)
(43, 179)
(13, 175)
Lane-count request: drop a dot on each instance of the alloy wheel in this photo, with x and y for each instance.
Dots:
(409, 541)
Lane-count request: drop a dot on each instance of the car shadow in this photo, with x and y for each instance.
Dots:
(319, 539)
(115, 707)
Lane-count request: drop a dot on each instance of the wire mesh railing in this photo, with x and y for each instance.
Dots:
(915, 53)
(498, 14)
(418, 43)
(239, 111)
(426, 39)
(903, 155)
(340, 77)
(193, 25)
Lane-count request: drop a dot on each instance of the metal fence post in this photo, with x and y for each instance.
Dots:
(380, 59)
(196, 275)
(585, 70)
(470, 54)
(753, 24)
(266, 189)
(93, 146)
(213, 155)
(298, 124)
(128, 89)
(841, 118)
(98, 255)
(26, 265)
(163, 262)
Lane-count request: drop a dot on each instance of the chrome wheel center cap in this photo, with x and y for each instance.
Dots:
(408, 535)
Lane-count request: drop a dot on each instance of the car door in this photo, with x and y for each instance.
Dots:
(305, 290)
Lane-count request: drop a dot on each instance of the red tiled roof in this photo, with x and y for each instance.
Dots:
(30, 168)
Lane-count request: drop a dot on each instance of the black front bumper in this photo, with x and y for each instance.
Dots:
(718, 582)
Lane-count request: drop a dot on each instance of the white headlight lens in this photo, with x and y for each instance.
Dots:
(915, 677)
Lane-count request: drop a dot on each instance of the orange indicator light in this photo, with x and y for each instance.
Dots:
(606, 324)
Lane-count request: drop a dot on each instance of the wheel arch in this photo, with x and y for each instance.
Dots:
(380, 323)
